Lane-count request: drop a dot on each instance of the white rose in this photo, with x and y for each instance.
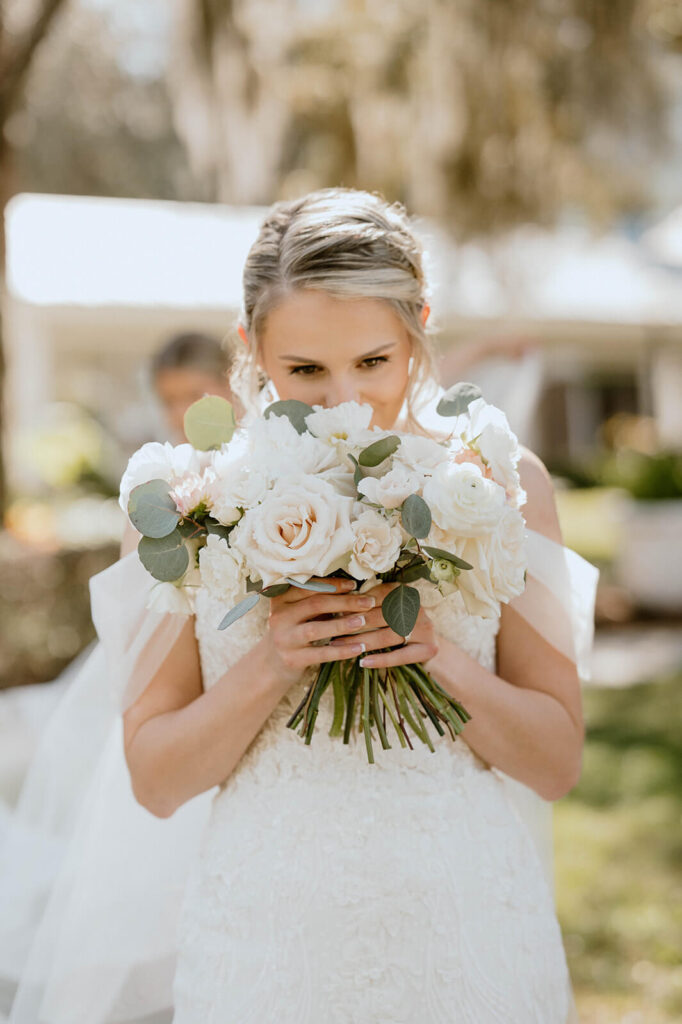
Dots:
(376, 545)
(221, 569)
(391, 489)
(301, 529)
(462, 501)
(156, 461)
(167, 598)
(276, 448)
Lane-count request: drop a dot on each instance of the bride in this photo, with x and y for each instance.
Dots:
(325, 889)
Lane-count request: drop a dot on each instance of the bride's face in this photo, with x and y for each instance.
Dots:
(323, 350)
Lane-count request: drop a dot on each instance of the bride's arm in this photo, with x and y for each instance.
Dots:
(526, 716)
(180, 741)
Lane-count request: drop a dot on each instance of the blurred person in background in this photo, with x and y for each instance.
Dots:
(50, 733)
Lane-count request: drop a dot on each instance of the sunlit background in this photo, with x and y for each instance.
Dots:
(539, 146)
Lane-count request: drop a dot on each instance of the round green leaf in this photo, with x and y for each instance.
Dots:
(458, 398)
(375, 453)
(209, 422)
(151, 509)
(416, 516)
(401, 608)
(294, 411)
(240, 609)
(166, 558)
(455, 559)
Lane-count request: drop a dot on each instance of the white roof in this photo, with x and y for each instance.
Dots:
(81, 251)
(130, 253)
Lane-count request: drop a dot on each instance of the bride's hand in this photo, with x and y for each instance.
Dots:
(421, 645)
(300, 620)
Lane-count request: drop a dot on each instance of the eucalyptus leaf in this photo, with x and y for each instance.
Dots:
(294, 411)
(458, 398)
(166, 558)
(249, 602)
(418, 571)
(380, 450)
(151, 509)
(401, 608)
(217, 529)
(358, 473)
(209, 422)
(275, 589)
(416, 516)
(449, 557)
(319, 588)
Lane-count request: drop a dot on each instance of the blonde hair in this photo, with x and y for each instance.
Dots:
(350, 244)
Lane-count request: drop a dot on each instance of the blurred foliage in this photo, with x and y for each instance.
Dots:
(655, 477)
(481, 113)
(70, 449)
(44, 608)
(92, 121)
(618, 852)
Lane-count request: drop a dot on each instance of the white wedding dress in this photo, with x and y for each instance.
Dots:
(327, 889)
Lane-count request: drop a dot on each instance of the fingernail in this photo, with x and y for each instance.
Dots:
(358, 649)
(355, 621)
(366, 662)
(367, 602)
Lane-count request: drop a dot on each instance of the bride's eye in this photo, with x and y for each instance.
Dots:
(373, 361)
(306, 370)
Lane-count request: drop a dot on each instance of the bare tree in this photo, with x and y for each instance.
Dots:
(23, 28)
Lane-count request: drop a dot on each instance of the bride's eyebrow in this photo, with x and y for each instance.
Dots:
(367, 355)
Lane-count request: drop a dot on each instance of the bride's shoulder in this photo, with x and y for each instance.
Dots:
(540, 511)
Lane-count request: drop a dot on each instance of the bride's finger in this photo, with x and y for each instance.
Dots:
(315, 630)
(408, 654)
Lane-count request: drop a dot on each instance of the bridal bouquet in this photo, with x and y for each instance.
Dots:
(303, 493)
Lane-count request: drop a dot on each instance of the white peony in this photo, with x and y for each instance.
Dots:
(192, 490)
(376, 545)
(391, 489)
(156, 461)
(462, 501)
(506, 555)
(346, 422)
(420, 453)
(301, 529)
(222, 570)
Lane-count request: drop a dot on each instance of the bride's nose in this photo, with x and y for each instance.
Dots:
(342, 389)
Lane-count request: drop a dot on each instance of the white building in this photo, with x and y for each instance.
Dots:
(93, 286)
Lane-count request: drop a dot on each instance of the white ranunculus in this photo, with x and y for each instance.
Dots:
(222, 570)
(391, 489)
(376, 545)
(462, 501)
(346, 422)
(301, 529)
(156, 461)
(485, 428)
(167, 598)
